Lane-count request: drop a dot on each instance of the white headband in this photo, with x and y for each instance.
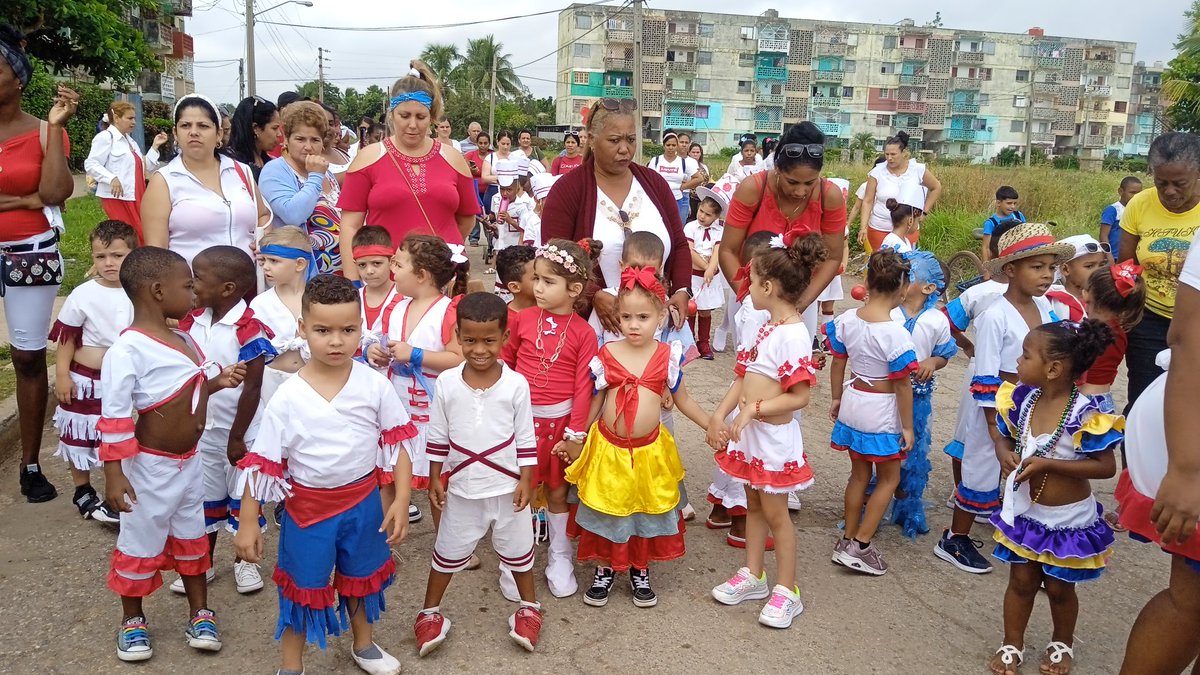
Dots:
(197, 97)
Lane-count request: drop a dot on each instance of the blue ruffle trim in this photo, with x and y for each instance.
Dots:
(946, 350)
(236, 505)
(909, 512)
(902, 362)
(1092, 443)
(983, 388)
(1002, 426)
(835, 345)
(255, 348)
(214, 524)
(863, 442)
(955, 449)
(978, 502)
(957, 315)
(1071, 576)
(373, 605)
(313, 622)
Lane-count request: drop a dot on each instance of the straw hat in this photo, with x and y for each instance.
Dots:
(721, 192)
(1026, 241)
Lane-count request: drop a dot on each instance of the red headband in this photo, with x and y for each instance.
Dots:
(645, 277)
(743, 276)
(1026, 244)
(1125, 276)
(375, 249)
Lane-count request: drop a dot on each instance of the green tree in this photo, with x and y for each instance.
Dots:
(864, 141)
(441, 58)
(98, 36)
(1181, 81)
(333, 94)
(474, 73)
(370, 103)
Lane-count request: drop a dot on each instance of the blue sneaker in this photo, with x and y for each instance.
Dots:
(962, 551)
(202, 632)
(133, 640)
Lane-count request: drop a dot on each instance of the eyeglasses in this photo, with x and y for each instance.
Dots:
(795, 150)
(615, 104)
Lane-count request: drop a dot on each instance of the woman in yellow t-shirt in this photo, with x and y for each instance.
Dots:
(1157, 230)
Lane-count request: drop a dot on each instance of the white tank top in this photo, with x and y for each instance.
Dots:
(201, 218)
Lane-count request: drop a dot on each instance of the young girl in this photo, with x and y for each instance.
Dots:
(552, 346)
(1066, 295)
(708, 285)
(930, 332)
(755, 432)
(1052, 441)
(420, 335)
(285, 255)
(875, 424)
(905, 212)
(628, 473)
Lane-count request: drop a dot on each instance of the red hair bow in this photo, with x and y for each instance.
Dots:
(792, 235)
(1125, 276)
(645, 277)
(743, 277)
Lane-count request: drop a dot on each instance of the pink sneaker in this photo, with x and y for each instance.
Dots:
(525, 626)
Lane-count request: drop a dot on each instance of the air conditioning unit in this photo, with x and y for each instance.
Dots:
(747, 32)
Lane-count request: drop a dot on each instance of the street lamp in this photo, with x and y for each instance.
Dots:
(250, 14)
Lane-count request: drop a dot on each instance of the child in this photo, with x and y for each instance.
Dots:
(755, 432)
(514, 269)
(373, 251)
(541, 184)
(420, 336)
(1052, 441)
(629, 471)
(151, 471)
(834, 291)
(481, 432)
(1028, 256)
(1066, 296)
(552, 347)
(905, 212)
(512, 207)
(285, 255)
(90, 320)
(227, 331)
(708, 284)
(875, 421)
(1007, 201)
(930, 331)
(352, 429)
(1110, 218)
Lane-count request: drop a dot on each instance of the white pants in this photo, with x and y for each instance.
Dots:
(465, 521)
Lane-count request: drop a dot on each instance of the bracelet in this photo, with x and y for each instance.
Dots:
(758, 409)
(574, 436)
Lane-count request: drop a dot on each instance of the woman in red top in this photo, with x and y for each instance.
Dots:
(571, 157)
(409, 183)
(33, 174)
(476, 159)
(791, 196)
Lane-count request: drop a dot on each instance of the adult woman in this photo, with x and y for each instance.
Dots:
(443, 133)
(476, 159)
(571, 157)
(226, 128)
(792, 196)
(680, 172)
(747, 163)
(254, 133)
(884, 182)
(300, 188)
(338, 160)
(409, 182)
(526, 149)
(696, 152)
(1155, 231)
(33, 173)
(202, 198)
(116, 163)
(503, 150)
(609, 196)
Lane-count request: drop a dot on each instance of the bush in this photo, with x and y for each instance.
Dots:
(1136, 165)
(1066, 162)
(1009, 156)
(94, 102)
(833, 154)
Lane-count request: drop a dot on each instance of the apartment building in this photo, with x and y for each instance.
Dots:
(1147, 109)
(956, 92)
(163, 28)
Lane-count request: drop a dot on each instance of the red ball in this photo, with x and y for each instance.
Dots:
(692, 308)
(859, 292)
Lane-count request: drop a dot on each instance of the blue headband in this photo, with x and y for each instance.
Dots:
(419, 96)
(289, 253)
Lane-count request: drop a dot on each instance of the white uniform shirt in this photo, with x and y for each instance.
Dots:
(220, 342)
(894, 241)
(999, 335)
(520, 209)
(704, 245)
(201, 218)
(115, 156)
(101, 312)
(643, 217)
(930, 333)
(876, 350)
(270, 310)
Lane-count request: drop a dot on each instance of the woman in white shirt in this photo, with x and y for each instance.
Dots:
(885, 181)
(748, 163)
(681, 173)
(443, 133)
(117, 165)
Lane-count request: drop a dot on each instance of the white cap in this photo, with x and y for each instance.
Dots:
(542, 182)
(522, 166)
(506, 172)
(1085, 244)
(912, 194)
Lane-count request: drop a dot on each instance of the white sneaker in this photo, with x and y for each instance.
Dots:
(743, 586)
(414, 513)
(385, 664)
(950, 503)
(247, 577)
(783, 606)
(794, 501)
(177, 585)
(508, 585)
(688, 513)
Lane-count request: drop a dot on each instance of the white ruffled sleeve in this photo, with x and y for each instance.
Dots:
(675, 366)
(396, 428)
(596, 366)
(263, 468)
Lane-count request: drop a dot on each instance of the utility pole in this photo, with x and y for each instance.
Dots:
(241, 79)
(1029, 118)
(492, 97)
(321, 74)
(637, 77)
(250, 46)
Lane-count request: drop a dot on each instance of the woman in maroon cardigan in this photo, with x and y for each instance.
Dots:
(610, 196)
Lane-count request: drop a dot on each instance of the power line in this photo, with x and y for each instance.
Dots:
(384, 29)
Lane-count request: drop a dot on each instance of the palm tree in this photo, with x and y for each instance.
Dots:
(1185, 91)
(474, 72)
(864, 141)
(441, 58)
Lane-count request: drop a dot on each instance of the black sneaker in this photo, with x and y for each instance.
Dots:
(86, 501)
(34, 485)
(602, 582)
(277, 514)
(105, 514)
(639, 583)
(961, 551)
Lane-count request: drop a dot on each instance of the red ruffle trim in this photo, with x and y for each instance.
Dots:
(757, 476)
(978, 389)
(132, 565)
(396, 434)
(977, 505)
(361, 587)
(133, 588)
(115, 452)
(731, 510)
(867, 458)
(194, 567)
(266, 466)
(912, 367)
(313, 598)
(63, 333)
(799, 376)
(187, 548)
(1135, 516)
(386, 478)
(419, 482)
(115, 425)
(637, 552)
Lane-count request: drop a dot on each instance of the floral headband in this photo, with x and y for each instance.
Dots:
(560, 256)
(1125, 276)
(646, 277)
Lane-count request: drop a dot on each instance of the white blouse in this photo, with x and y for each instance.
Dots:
(201, 218)
(643, 217)
(887, 186)
(113, 156)
(101, 312)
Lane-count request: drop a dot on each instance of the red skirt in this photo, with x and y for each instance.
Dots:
(549, 431)
(128, 212)
(637, 552)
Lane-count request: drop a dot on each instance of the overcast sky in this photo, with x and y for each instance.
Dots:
(287, 55)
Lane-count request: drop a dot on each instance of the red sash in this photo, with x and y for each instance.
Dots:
(308, 505)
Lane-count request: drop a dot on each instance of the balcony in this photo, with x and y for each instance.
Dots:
(1049, 63)
(1047, 88)
(159, 37)
(774, 45)
(826, 102)
(620, 37)
(177, 7)
(968, 57)
(618, 63)
(960, 134)
(915, 80)
(678, 121)
(683, 40)
(830, 48)
(914, 53)
(768, 125)
(680, 95)
(1042, 137)
(1096, 115)
(915, 134)
(182, 46)
(917, 107)
(767, 98)
(966, 84)
(1093, 141)
(1100, 66)
(1043, 113)
(1101, 90)
(762, 72)
(681, 67)
(617, 91)
(828, 76)
(964, 109)
(831, 129)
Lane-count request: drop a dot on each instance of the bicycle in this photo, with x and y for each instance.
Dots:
(963, 270)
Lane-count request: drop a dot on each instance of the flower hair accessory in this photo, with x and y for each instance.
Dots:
(788, 238)
(777, 242)
(557, 255)
(583, 244)
(645, 277)
(457, 255)
(413, 72)
(1125, 276)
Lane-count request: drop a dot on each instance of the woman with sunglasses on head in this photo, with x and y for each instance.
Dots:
(680, 171)
(611, 195)
(254, 133)
(886, 181)
(571, 157)
(791, 196)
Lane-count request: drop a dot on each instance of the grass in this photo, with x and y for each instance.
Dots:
(80, 215)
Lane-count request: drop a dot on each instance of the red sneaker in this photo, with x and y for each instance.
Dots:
(525, 627)
(431, 630)
(740, 542)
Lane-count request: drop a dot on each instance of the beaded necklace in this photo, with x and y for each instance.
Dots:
(542, 378)
(765, 330)
(1040, 449)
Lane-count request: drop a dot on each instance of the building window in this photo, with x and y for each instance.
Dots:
(746, 60)
(685, 28)
(847, 92)
(620, 23)
(748, 33)
(883, 120)
(985, 73)
(889, 41)
(888, 68)
(583, 21)
(1120, 106)
(885, 94)
(744, 86)
(844, 118)
(703, 85)
(743, 113)
(1126, 57)
(580, 77)
(701, 112)
(776, 90)
(582, 51)
(1122, 83)
(704, 58)
(849, 66)
(700, 137)
(706, 30)
(983, 99)
(1017, 126)
(1022, 76)
(1020, 101)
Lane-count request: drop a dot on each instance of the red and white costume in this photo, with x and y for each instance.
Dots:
(375, 320)
(724, 490)
(270, 310)
(165, 529)
(93, 316)
(705, 240)
(237, 336)
(483, 439)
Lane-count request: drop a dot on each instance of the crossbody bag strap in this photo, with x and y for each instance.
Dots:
(391, 151)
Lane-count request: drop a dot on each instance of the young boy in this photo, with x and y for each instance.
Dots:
(708, 285)
(151, 471)
(481, 404)
(1007, 201)
(373, 251)
(514, 270)
(228, 332)
(540, 184)
(1110, 219)
(353, 427)
(89, 322)
(1066, 295)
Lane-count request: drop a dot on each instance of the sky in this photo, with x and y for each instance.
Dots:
(287, 55)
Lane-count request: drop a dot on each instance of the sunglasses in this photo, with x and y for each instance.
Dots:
(571, 134)
(1095, 248)
(795, 150)
(615, 104)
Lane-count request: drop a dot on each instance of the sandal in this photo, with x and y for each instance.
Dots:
(1009, 656)
(740, 542)
(715, 525)
(1113, 518)
(1056, 650)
